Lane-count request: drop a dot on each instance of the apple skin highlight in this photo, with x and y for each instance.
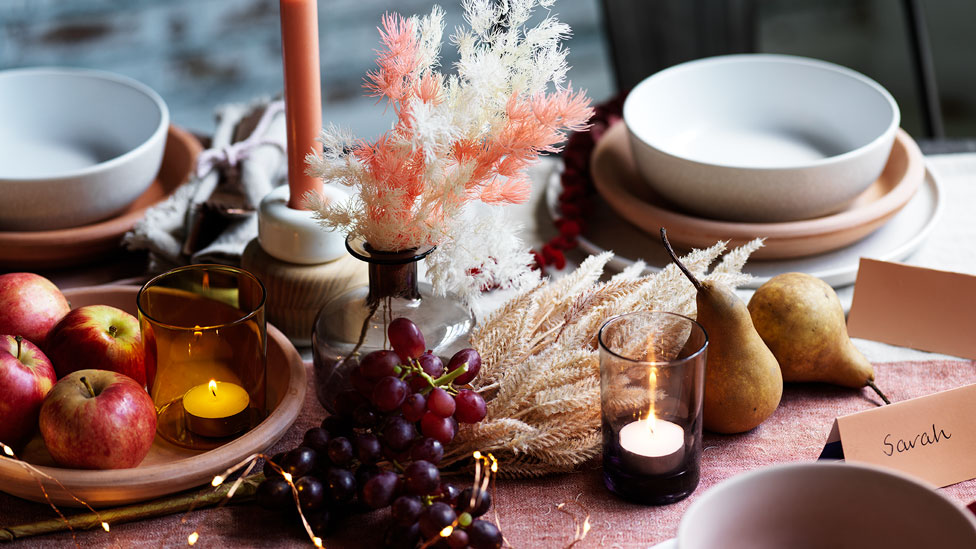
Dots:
(26, 376)
(98, 337)
(109, 426)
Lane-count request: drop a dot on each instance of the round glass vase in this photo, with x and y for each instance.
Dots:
(354, 323)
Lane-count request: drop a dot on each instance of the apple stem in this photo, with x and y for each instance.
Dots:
(113, 331)
(19, 340)
(88, 386)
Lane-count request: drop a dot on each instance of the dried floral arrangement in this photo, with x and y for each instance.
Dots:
(457, 140)
(540, 368)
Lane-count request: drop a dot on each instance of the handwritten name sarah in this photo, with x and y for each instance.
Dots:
(922, 439)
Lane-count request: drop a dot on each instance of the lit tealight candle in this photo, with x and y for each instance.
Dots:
(652, 446)
(216, 409)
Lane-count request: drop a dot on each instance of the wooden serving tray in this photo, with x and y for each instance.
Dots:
(33, 250)
(168, 468)
(617, 180)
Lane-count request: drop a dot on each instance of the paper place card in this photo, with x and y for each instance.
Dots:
(914, 307)
(931, 437)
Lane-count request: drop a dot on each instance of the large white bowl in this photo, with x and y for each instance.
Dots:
(760, 137)
(825, 504)
(76, 146)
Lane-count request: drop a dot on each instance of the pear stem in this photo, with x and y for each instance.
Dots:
(870, 383)
(19, 339)
(674, 257)
(88, 386)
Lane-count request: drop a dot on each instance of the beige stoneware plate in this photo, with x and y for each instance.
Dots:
(168, 468)
(618, 182)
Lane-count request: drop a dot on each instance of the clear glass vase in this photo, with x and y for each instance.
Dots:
(354, 323)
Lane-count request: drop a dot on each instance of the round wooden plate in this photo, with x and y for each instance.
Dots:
(618, 182)
(168, 468)
(32, 250)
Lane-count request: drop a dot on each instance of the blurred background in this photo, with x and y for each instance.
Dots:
(200, 53)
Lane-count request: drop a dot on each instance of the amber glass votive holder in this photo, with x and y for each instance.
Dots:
(652, 379)
(205, 333)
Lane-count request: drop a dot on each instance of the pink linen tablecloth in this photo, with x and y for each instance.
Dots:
(526, 509)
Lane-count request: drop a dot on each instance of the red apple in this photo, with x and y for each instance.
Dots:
(97, 337)
(26, 375)
(30, 305)
(96, 419)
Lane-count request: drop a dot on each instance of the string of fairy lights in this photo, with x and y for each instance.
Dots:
(485, 471)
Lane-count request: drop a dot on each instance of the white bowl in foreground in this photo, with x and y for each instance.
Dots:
(76, 146)
(760, 137)
(825, 504)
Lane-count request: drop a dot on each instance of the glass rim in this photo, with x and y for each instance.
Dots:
(665, 363)
(361, 250)
(202, 267)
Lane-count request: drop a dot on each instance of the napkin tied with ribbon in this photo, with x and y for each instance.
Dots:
(212, 217)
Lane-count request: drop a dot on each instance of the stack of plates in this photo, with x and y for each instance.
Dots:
(47, 249)
(888, 221)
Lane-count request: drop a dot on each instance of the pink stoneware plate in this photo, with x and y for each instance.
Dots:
(168, 468)
(894, 241)
(619, 184)
(32, 250)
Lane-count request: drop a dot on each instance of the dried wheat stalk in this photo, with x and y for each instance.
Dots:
(540, 368)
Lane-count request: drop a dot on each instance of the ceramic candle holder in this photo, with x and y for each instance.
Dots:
(652, 377)
(205, 332)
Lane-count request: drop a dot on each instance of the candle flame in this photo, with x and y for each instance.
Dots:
(213, 387)
(651, 418)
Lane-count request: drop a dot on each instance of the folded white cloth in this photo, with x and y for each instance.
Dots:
(212, 217)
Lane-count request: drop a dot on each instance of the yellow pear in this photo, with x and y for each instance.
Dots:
(802, 321)
(743, 383)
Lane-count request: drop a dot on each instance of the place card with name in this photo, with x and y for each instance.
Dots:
(931, 437)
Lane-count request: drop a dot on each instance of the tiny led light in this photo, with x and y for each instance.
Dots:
(104, 526)
(317, 541)
(217, 481)
(447, 531)
(7, 450)
(287, 476)
(193, 538)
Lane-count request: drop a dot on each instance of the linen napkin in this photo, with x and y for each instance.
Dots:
(212, 217)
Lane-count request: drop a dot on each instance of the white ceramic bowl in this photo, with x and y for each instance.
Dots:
(76, 146)
(760, 137)
(825, 504)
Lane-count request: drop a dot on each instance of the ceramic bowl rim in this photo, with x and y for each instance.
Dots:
(746, 477)
(768, 59)
(72, 72)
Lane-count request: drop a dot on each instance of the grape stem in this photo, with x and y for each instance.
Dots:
(451, 376)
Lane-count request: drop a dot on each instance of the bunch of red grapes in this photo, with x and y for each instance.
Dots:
(382, 446)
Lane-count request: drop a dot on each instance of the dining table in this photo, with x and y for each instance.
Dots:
(571, 509)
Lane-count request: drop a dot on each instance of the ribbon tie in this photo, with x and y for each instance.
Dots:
(231, 155)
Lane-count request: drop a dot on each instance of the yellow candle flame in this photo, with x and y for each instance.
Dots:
(213, 387)
(651, 392)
